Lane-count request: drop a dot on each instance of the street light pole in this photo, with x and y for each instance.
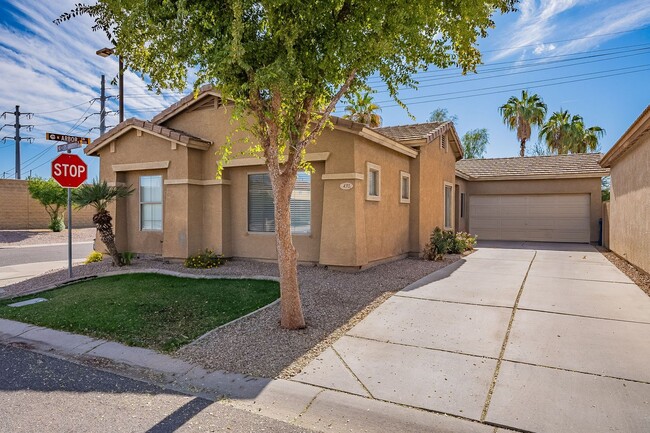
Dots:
(105, 52)
(121, 89)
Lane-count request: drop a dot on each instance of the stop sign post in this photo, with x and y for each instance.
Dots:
(69, 171)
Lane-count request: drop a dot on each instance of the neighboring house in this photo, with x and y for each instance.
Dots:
(542, 198)
(629, 207)
(375, 194)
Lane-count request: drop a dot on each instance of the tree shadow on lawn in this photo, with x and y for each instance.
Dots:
(256, 345)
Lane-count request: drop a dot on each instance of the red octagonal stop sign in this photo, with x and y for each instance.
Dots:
(69, 170)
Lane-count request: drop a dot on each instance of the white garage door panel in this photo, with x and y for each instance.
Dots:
(548, 217)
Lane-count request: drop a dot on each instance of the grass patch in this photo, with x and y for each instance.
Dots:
(159, 312)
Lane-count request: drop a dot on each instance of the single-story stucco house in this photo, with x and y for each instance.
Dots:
(374, 195)
(629, 206)
(542, 198)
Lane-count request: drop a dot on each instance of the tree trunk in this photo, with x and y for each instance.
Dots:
(291, 307)
(522, 148)
(102, 221)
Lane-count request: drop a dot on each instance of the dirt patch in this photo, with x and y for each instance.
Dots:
(640, 278)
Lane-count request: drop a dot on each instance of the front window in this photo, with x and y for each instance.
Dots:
(151, 213)
(462, 204)
(261, 216)
(373, 192)
(448, 192)
(405, 187)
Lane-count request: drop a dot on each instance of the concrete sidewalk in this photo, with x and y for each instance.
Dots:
(16, 273)
(535, 338)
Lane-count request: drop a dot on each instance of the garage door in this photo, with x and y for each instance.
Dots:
(547, 217)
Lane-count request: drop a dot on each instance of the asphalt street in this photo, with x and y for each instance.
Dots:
(39, 393)
(39, 254)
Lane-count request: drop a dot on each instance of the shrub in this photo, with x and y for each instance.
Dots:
(56, 223)
(93, 257)
(444, 242)
(127, 257)
(207, 259)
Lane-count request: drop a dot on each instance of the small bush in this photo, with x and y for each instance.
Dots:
(127, 257)
(56, 224)
(207, 259)
(444, 242)
(93, 257)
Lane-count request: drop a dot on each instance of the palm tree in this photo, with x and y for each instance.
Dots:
(586, 138)
(558, 132)
(564, 134)
(363, 110)
(99, 195)
(522, 114)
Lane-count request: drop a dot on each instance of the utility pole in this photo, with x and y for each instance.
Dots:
(102, 113)
(17, 138)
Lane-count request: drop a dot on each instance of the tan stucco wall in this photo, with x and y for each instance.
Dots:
(346, 229)
(544, 186)
(629, 223)
(606, 224)
(386, 221)
(19, 211)
(429, 172)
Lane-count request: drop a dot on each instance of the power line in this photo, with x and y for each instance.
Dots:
(536, 60)
(519, 88)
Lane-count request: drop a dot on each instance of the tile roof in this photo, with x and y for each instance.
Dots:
(576, 165)
(182, 103)
(176, 135)
(416, 131)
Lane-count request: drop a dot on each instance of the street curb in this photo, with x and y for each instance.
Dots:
(289, 401)
(140, 271)
(58, 244)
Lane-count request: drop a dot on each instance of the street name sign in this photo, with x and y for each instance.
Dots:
(67, 146)
(67, 138)
(69, 170)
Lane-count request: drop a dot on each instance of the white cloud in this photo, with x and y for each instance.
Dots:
(544, 48)
(569, 26)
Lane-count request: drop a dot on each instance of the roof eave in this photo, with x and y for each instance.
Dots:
(190, 142)
(599, 174)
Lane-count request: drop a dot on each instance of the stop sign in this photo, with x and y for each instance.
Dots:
(69, 170)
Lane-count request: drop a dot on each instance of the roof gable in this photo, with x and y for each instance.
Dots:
(551, 167)
(176, 136)
(423, 132)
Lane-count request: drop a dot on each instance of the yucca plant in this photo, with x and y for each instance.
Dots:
(99, 195)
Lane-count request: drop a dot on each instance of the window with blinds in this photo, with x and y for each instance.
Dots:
(151, 212)
(261, 217)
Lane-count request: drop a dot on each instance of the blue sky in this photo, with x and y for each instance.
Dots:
(591, 57)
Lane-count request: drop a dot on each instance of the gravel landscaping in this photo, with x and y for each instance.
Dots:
(333, 302)
(42, 237)
(640, 278)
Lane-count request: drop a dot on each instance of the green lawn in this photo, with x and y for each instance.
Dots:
(147, 310)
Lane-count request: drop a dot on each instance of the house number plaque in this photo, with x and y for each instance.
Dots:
(346, 186)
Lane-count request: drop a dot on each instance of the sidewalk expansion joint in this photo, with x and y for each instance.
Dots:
(304, 411)
(345, 364)
(488, 399)
(398, 294)
(584, 315)
(569, 370)
(455, 352)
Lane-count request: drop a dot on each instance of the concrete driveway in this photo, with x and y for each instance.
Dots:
(527, 336)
